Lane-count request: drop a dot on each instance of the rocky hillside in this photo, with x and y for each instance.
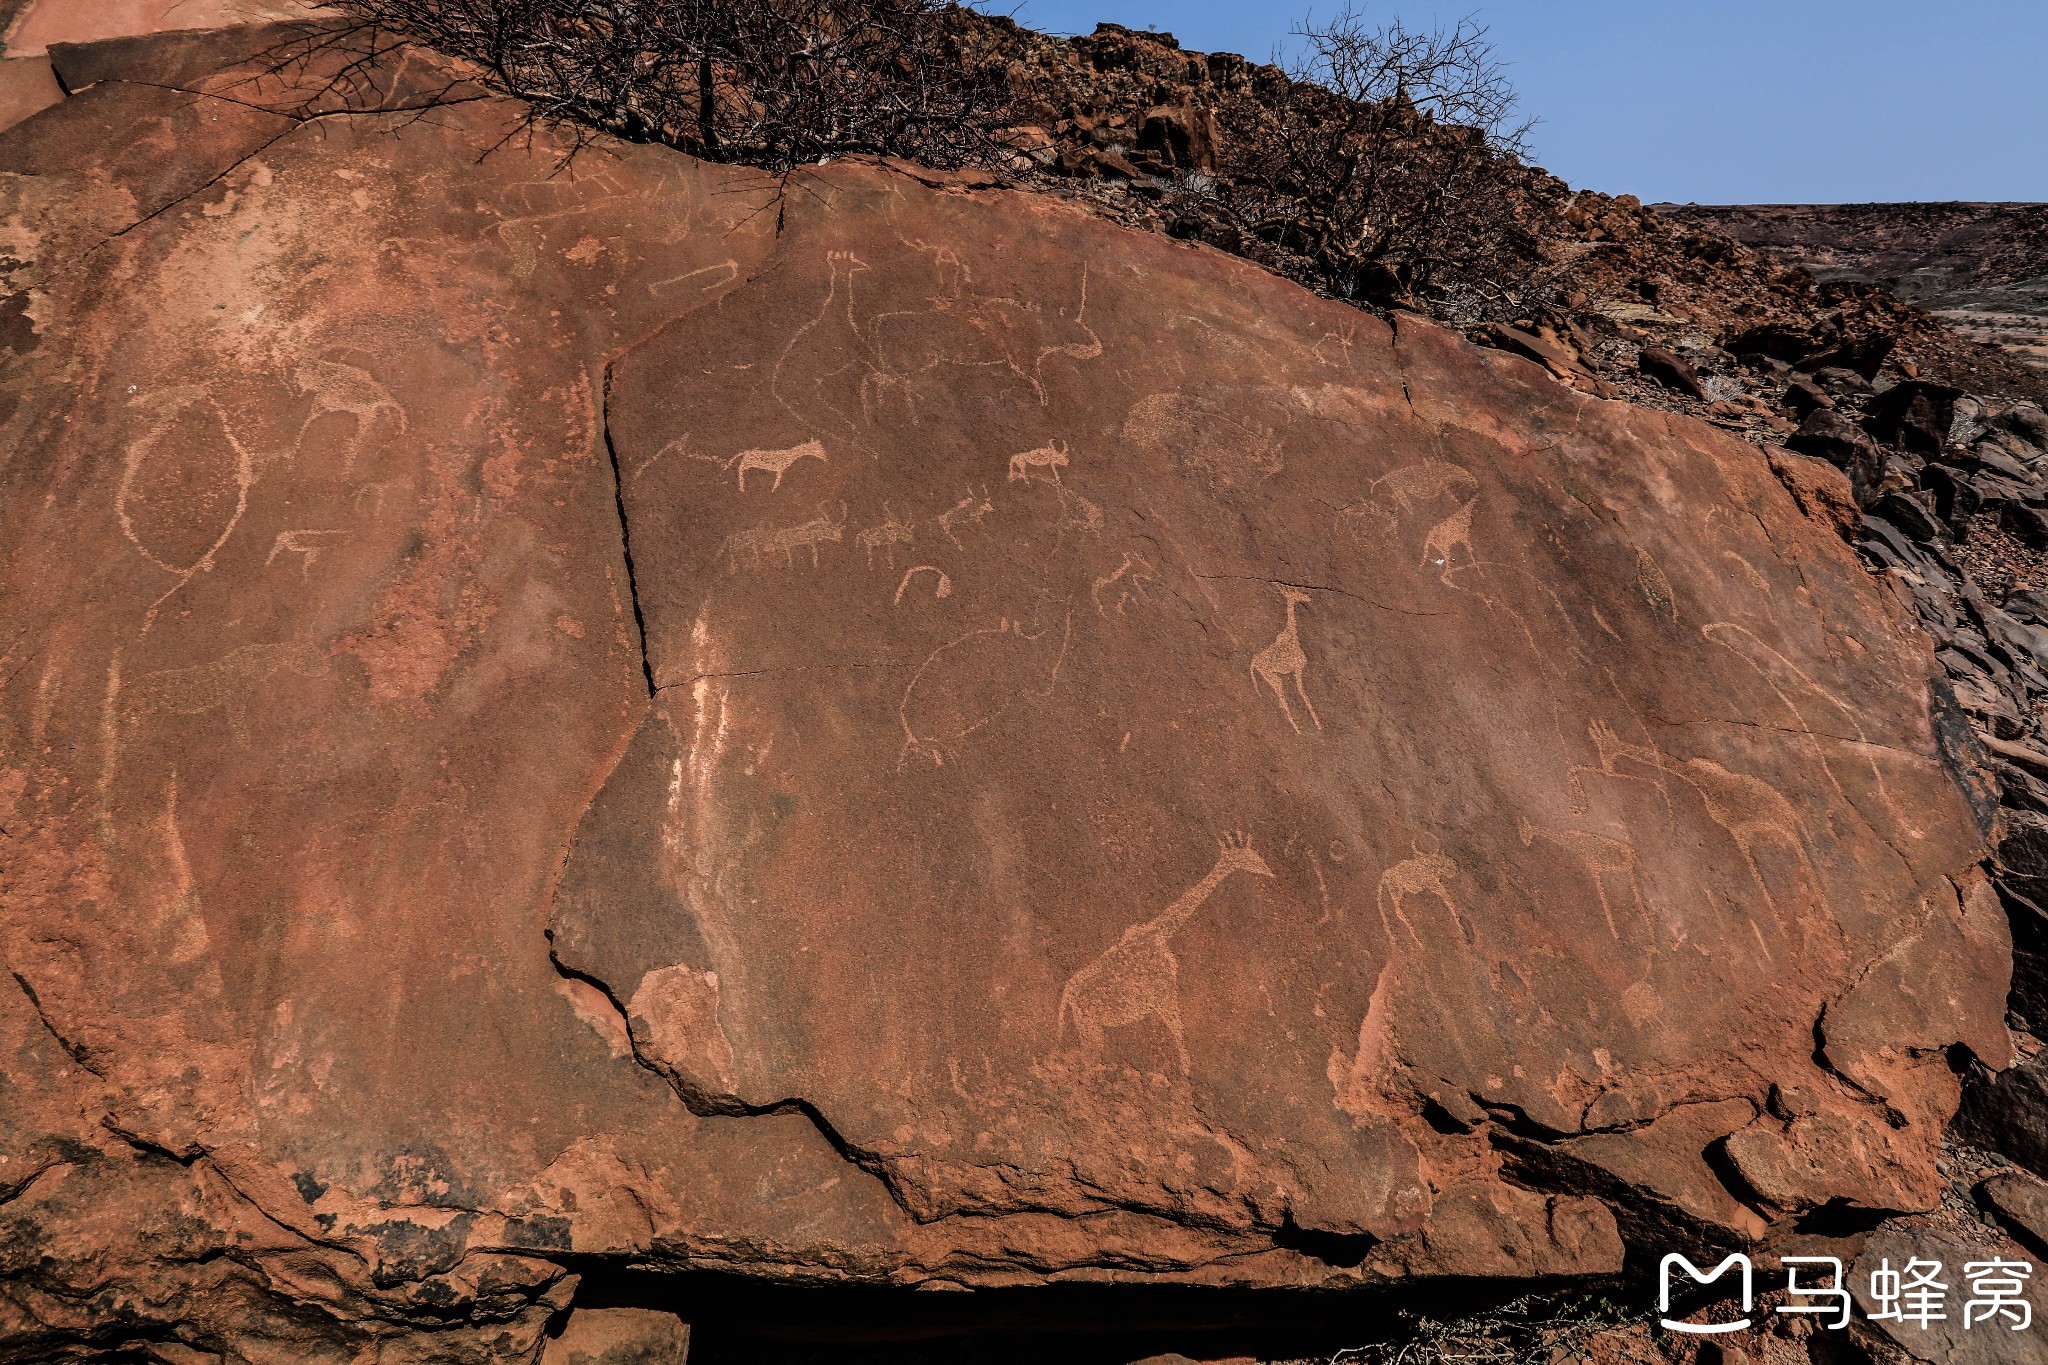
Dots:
(1982, 268)
(578, 757)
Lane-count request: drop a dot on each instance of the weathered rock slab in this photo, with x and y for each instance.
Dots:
(558, 716)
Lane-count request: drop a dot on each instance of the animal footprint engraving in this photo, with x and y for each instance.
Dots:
(1283, 660)
(1138, 977)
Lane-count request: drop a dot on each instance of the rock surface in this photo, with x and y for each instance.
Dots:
(558, 719)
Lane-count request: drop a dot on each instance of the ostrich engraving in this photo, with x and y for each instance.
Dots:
(1283, 659)
(1138, 977)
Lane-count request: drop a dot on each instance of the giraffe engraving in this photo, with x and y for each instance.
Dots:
(1138, 977)
(1603, 857)
(1754, 814)
(1283, 660)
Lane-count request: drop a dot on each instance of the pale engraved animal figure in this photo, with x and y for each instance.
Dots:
(1753, 813)
(1427, 872)
(885, 536)
(1052, 456)
(1138, 977)
(225, 684)
(1454, 532)
(1283, 660)
(1412, 485)
(1398, 492)
(750, 542)
(810, 535)
(308, 545)
(1133, 574)
(970, 509)
(776, 462)
(335, 387)
(1602, 856)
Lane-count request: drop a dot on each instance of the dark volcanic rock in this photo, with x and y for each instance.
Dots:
(2009, 1113)
(554, 724)
(1671, 370)
(1828, 435)
(1914, 414)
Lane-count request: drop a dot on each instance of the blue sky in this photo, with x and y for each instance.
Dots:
(1723, 101)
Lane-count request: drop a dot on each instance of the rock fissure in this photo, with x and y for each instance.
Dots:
(611, 452)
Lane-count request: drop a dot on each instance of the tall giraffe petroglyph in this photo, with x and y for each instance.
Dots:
(1138, 977)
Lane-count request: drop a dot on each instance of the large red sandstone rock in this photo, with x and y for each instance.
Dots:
(906, 735)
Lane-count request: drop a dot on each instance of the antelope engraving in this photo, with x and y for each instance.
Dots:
(1052, 457)
(776, 462)
(1283, 659)
(1138, 977)
(757, 541)
(970, 509)
(885, 536)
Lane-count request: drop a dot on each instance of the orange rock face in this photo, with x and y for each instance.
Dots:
(911, 736)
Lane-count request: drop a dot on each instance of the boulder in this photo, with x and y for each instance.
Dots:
(1953, 1332)
(27, 86)
(2027, 422)
(561, 729)
(1671, 370)
(1827, 435)
(1914, 414)
(1802, 396)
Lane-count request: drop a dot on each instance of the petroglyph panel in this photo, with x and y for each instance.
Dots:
(1145, 768)
(1537, 817)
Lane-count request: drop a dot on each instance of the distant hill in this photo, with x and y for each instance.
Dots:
(1981, 267)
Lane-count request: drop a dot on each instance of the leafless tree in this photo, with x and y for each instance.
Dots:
(1387, 165)
(770, 83)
